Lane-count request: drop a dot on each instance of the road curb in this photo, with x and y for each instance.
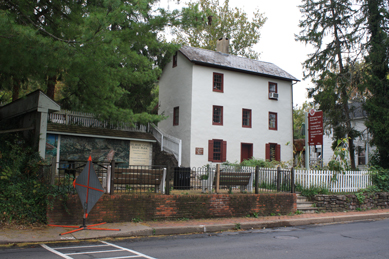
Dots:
(265, 224)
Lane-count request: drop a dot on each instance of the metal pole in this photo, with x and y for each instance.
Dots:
(256, 179)
(292, 180)
(278, 179)
(217, 177)
(112, 177)
(306, 142)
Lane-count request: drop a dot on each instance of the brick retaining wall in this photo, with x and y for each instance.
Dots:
(350, 202)
(124, 208)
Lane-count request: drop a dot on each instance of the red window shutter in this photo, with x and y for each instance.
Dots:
(210, 150)
(268, 151)
(224, 151)
(278, 153)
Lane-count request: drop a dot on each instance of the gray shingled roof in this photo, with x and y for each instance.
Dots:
(227, 61)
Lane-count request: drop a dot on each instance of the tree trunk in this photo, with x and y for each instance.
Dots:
(51, 82)
(15, 89)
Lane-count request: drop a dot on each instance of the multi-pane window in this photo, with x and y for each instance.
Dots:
(246, 118)
(217, 115)
(272, 121)
(176, 116)
(272, 87)
(217, 150)
(217, 82)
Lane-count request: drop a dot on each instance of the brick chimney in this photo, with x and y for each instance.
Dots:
(223, 45)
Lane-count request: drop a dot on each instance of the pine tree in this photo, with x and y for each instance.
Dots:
(328, 25)
(377, 105)
(107, 55)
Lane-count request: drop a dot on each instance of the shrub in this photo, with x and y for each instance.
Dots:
(24, 193)
(380, 178)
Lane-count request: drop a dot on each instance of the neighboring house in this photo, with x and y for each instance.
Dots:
(361, 143)
(73, 136)
(226, 108)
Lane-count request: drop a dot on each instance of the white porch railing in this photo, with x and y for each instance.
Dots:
(168, 143)
(88, 120)
(350, 181)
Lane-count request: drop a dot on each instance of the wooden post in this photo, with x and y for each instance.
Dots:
(217, 177)
(112, 191)
(256, 179)
(278, 179)
(292, 180)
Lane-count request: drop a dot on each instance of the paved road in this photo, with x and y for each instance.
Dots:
(368, 239)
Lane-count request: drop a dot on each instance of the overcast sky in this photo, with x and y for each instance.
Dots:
(277, 44)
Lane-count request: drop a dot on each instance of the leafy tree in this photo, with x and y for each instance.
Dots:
(107, 55)
(299, 119)
(222, 21)
(375, 12)
(330, 27)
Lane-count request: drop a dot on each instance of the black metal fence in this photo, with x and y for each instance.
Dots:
(65, 172)
(117, 178)
(114, 177)
(229, 179)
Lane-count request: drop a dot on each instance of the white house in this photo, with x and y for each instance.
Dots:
(361, 143)
(225, 107)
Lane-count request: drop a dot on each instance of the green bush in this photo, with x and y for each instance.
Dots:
(380, 178)
(311, 191)
(23, 190)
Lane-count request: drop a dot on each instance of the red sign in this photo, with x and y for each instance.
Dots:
(315, 127)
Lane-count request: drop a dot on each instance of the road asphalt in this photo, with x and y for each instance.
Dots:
(183, 226)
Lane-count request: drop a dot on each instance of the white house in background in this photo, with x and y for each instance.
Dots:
(225, 107)
(362, 143)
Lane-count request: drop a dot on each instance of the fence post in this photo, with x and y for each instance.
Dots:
(278, 179)
(169, 169)
(217, 178)
(112, 177)
(256, 179)
(53, 170)
(292, 180)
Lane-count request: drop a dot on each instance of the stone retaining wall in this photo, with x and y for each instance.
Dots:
(351, 202)
(125, 208)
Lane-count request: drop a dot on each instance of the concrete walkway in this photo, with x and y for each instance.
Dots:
(184, 226)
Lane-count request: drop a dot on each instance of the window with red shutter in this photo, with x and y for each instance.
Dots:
(217, 150)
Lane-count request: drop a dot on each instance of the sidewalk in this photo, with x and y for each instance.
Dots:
(184, 226)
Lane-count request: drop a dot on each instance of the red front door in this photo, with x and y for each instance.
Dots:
(246, 151)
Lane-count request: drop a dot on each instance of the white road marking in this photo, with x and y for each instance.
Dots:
(129, 250)
(55, 251)
(66, 256)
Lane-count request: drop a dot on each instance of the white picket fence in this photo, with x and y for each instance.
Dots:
(350, 181)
